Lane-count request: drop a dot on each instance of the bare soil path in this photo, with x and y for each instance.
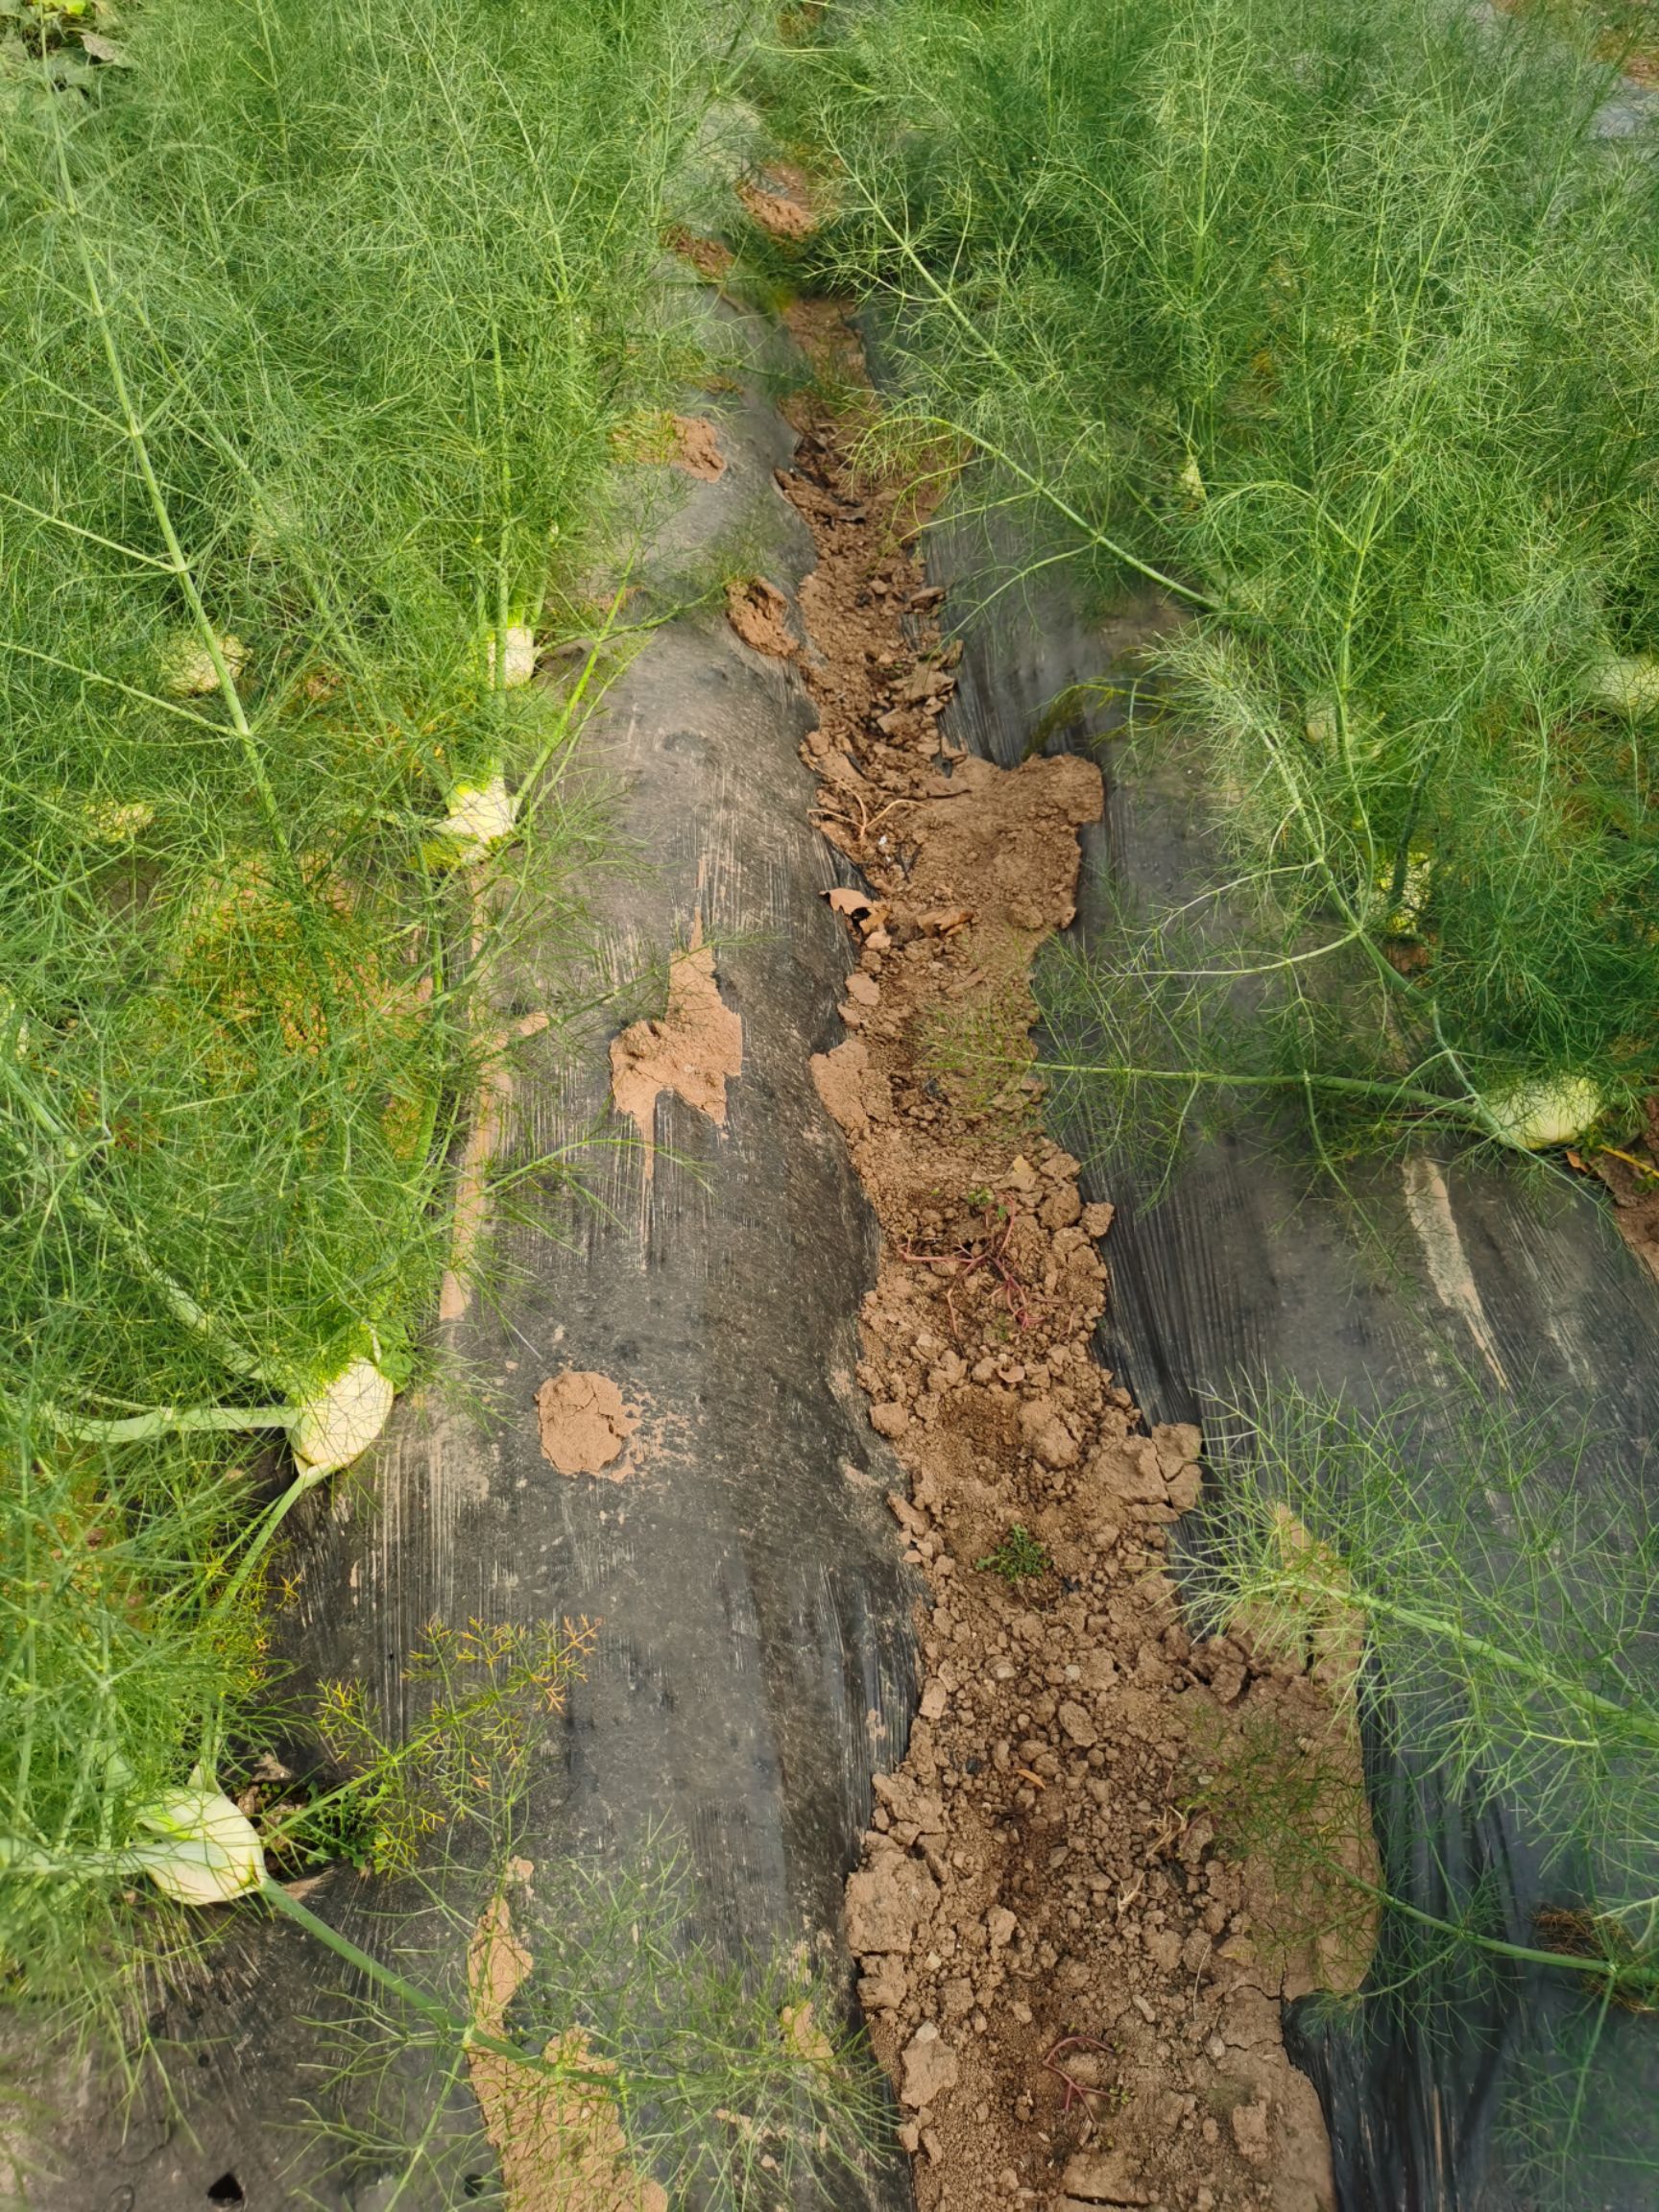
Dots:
(1075, 1988)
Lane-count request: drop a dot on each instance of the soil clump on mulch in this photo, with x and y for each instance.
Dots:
(696, 450)
(690, 1051)
(585, 1424)
(1631, 1174)
(1072, 1967)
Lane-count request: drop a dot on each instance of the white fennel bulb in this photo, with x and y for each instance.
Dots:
(517, 662)
(202, 1850)
(1319, 722)
(187, 669)
(13, 1026)
(1628, 683)
(1536, 1115)
(480, 815)
(342, 1420)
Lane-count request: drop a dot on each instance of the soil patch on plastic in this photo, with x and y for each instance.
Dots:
(697, 448)
(560, 2141)
(782, 201)
(759, 613)
(1071, 1963)
(692, 1050)
(585, 1424)
(710, 257)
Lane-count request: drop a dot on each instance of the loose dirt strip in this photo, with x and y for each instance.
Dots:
(1073, 1983)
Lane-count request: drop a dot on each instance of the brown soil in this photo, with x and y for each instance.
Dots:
(697, 448)
(1072, 1975)
(691, 1051)
(709, 259)
(1631, 1173)
(559, 2143)
(585, 1424)
(781, 201)
(759, 613)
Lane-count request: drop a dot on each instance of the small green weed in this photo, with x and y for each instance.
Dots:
(1017, 1558)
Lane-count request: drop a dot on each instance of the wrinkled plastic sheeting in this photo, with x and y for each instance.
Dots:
(1244, 1268)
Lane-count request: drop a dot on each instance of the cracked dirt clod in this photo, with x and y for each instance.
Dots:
(781, 203)
(585, 1424)
(1035, 1881)
(697, 448)
(692, 1052)
(709, 256)
(759, 613)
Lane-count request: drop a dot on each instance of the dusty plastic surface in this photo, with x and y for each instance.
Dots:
(754, 1660)
(1244, 1268)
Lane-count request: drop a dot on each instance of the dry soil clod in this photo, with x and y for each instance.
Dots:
(759, 613)
(697, 448)
(692, 1050)
(781, 201)
(560, 2141)
(585, 1424)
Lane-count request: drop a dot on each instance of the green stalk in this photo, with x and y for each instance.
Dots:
(167, 1421)
(464, 2033)
(88, 675)
(1452, 1632)
(183, 573)
(73, 1151)
(176, 565)
(567, 712)
(260, 1539)
(1612, 1972)
(1341, 1086)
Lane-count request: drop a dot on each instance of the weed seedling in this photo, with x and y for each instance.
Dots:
(1017, 1558)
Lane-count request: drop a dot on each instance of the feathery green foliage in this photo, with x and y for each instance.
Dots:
(316, 321)
(1496, 1614)
(1507, 1606)
(1338, 323)
(725, 2075)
